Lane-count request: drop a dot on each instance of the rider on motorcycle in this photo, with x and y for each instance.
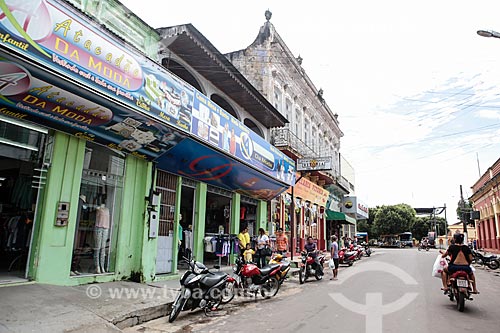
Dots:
(461, 258)
(310, 247)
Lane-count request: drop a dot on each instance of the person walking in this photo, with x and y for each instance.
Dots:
(262, 243)
(334, 253)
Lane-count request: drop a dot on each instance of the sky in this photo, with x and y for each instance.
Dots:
(416, 89)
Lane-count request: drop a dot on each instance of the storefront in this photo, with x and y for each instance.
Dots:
(109, 138)
(309, 220)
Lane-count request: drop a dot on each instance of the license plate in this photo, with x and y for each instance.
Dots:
(462, 283)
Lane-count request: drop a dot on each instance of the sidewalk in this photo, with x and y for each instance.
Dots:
(103, 307)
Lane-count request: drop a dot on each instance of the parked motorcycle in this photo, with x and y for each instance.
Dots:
(252, 279)
(491, 261)
(201, 288)
(347, 257)
(309, 267)
(284, 269)
(460, 289)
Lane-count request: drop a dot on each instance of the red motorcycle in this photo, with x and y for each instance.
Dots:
(460, 289)
(347, 257)
(252, 279)
(309, 267)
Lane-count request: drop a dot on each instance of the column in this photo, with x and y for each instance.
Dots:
(261, 218)
(199, 221)
(234, 223)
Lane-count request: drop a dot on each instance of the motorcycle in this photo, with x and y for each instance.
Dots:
(284, 269)
(491, 261)
(460, 289)
(368, 250)
(347, 257)
(252, 279)
(307, 264)
(359, 252)
(423, 247)
(201, 288)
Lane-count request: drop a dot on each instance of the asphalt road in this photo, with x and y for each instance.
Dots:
(392, 291)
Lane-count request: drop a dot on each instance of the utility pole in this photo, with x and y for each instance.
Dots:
(462, 215)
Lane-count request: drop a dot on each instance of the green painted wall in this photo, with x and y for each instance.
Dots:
(52, 252)
(199, 220)
(149, 245)
(235, 219)
(261, 216)
(53, 246)
(177, 212)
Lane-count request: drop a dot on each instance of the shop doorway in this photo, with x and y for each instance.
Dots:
(186, 224)
(166, 184)
(219, 239)
(22, 177)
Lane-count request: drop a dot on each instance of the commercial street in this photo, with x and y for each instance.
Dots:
(389, 292)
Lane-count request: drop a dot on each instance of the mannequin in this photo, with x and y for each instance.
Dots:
(101, 236)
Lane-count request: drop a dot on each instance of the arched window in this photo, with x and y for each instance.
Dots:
(251, 125)
(221, 101)
(181, 72)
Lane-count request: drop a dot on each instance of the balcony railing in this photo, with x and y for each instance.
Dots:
(285, 139)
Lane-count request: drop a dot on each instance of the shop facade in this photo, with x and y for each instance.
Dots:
(486, 200)
(113, 165)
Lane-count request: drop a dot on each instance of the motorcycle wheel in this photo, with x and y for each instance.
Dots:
(270, 289)
(461, 302)
(228, 293)
(176, 309)
(420, 248)
(494, 264)
(318, 275)
(302, 275)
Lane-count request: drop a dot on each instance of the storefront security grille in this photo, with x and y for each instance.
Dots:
(189, 182)
(249, 200)
(220, 191)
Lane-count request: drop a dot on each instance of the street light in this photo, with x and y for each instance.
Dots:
(488, 33)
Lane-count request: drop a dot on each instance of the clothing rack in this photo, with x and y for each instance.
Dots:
(228, 237)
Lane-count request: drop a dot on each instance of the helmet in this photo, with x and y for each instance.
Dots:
(277, 257)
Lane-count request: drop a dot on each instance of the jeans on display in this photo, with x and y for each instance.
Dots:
(101, 237)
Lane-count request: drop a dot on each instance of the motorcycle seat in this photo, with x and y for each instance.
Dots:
(268, 268)
(210, 280)
(459, 274)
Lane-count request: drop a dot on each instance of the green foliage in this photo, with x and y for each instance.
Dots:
(390, 220)
(423, 225)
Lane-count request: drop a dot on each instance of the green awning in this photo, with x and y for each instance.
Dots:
(338, 216)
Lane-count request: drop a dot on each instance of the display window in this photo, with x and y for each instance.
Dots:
(98, 216)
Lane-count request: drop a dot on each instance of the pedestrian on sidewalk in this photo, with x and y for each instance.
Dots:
(281, 242)
(334, 253)
(243, 240)
(262, 244)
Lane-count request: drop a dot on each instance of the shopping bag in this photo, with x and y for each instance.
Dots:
(331, 264)
(439, 265)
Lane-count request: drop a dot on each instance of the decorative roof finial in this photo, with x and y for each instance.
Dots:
(268, 14)
(299, 60)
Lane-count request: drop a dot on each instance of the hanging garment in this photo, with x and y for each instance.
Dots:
(218, 247)
(208, 244)
(188, 239)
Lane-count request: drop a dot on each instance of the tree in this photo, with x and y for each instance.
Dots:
(392, 220)
(423, 225)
